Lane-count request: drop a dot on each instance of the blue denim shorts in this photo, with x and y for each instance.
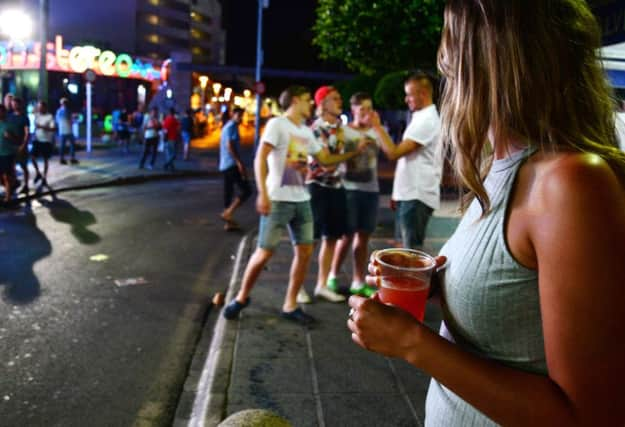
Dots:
(362, 211)
(295, 216)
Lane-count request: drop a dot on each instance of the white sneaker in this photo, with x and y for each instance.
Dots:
(328, 295)
(303, 297)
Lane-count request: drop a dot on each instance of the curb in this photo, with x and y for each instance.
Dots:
(203, 400)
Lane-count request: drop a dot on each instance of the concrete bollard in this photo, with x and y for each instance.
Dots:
(254, 418)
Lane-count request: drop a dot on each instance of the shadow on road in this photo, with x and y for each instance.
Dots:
(63, 211)
(17, 275)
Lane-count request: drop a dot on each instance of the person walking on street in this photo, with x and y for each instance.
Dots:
(327, 195)
(123, 130)
(20, 128)
(283, 201)
(7, 156)
(64, 124)
(44, 139)
(232, 169)
(186, 132)
(532, 293)
(416, 186)
(151, 127)
(171, 125)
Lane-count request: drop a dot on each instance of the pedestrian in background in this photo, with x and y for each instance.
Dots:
(186, 132)
(232, 169)
(151, 127)
(44, 140)
(20, 129)
(283, 200)
(7, 154)
(123, 130)
(64, 125)
(171, 126)
(532, 330)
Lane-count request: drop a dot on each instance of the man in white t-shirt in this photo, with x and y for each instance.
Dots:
(283, 200)
(44, 140)
(416, 187)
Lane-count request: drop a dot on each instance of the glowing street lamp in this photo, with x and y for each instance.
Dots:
(216, 88)
(15, 24)
(203, 83)
(227, 94)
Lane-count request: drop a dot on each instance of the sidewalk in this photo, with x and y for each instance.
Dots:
(108, 165)
(317, 376)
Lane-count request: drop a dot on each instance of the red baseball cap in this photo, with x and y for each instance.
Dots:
(322, 92)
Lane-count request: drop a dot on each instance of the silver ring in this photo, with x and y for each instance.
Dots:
(351, 314)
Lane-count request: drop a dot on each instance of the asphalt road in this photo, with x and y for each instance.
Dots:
(76, 349)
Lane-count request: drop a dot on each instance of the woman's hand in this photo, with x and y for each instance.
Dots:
(383, 329)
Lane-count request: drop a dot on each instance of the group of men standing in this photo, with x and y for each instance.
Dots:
(320, 182)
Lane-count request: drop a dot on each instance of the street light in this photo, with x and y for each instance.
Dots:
(203, 83)
(15, 24)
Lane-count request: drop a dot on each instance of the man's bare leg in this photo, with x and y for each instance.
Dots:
(254, 266)
(299, 268)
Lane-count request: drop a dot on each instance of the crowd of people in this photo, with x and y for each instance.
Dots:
(320, 182)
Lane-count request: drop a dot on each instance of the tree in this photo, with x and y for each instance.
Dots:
(379, 35)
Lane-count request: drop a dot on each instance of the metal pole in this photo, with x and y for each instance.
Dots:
(43, 40)
(88, 136)
(259, 64)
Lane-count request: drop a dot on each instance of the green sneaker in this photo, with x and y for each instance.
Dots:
(333, 284)
(363, 290)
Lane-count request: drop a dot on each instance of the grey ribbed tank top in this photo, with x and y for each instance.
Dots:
(490, 301)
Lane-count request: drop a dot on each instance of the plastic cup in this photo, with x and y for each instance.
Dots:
(405, 276)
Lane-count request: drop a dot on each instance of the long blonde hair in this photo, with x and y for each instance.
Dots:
(522, 68)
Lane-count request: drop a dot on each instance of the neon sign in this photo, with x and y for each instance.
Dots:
(77, 59)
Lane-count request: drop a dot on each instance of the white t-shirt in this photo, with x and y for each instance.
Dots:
(47, 120)
(620, 129)
(418, 174)
(361, 172)
(287, 161)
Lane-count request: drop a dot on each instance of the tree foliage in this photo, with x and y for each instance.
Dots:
(379, 35)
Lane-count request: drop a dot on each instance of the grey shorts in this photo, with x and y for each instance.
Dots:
(295, 216)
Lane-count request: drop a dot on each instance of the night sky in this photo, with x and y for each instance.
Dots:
(287, 35)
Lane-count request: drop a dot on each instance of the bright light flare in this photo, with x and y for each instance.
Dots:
(15, 24)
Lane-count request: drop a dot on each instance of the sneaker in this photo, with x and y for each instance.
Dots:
(232, 310)
(303, 297)
(362, 289)
(74, 161)
(63, 161)
(298, 316)
(328, 295)
(333, 284)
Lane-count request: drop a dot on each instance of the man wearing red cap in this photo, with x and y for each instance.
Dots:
(327, 195)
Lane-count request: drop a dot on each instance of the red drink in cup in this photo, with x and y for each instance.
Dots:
(405, 279)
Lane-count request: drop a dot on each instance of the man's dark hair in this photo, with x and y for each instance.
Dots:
(172, 111)
(43, 103)
(17, 100)
(286, 97)
(237, 110)
(358, 97)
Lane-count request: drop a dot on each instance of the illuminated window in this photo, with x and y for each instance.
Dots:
(152, 19)
(153, 38)
(154, 2)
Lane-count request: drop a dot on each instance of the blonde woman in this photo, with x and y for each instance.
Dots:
(533, 293)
